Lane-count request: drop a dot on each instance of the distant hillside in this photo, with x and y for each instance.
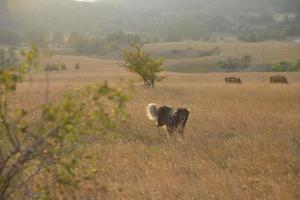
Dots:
(167, 20)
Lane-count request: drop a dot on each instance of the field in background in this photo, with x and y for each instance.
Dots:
(262, 53)
(188, 61)
(242, 141)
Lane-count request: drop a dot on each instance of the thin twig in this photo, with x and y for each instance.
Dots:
(26, 180)
(12, 138)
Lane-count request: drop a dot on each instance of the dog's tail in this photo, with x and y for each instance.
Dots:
(152, 111)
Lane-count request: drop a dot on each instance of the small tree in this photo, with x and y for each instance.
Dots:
(283, 66)
(246, 61)
(64, 67)
(77, 66)
(143, 64)
(234, 64)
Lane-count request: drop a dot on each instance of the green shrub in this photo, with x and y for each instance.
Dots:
(175, 51)
(234, 64)
(64, 67)
(285, 66)
(77, 66)
(29, 146)
(112, 46)
(52, 67)
(213, 52)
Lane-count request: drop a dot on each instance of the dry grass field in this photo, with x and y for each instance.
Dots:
(262, 53)
(266, 53)
(242, 141)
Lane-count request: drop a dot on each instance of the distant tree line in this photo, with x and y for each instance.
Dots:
(232, 64)
(100, 46)
(260, 29)
(167, 21)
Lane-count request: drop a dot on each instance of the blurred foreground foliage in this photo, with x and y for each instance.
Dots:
(27, 146)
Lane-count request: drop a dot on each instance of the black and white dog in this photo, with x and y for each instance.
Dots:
(174, 119)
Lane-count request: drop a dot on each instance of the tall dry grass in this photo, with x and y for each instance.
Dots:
(242, 142)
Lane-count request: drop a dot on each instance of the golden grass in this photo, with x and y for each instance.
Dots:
(262, 53)
(241, 144)
(242, 141)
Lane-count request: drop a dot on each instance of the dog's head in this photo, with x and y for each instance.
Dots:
(181, 116)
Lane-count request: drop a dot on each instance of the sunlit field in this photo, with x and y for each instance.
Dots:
(81, 79)
(262, 54)
(242, 141)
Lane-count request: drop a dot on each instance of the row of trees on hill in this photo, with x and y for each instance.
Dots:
(98, 45)
(270, 29)
(248, 28)
(15, 38)
(166, 21)
(81, 43)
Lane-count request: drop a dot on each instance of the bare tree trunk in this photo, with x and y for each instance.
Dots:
(147, 83)
(152, 83)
